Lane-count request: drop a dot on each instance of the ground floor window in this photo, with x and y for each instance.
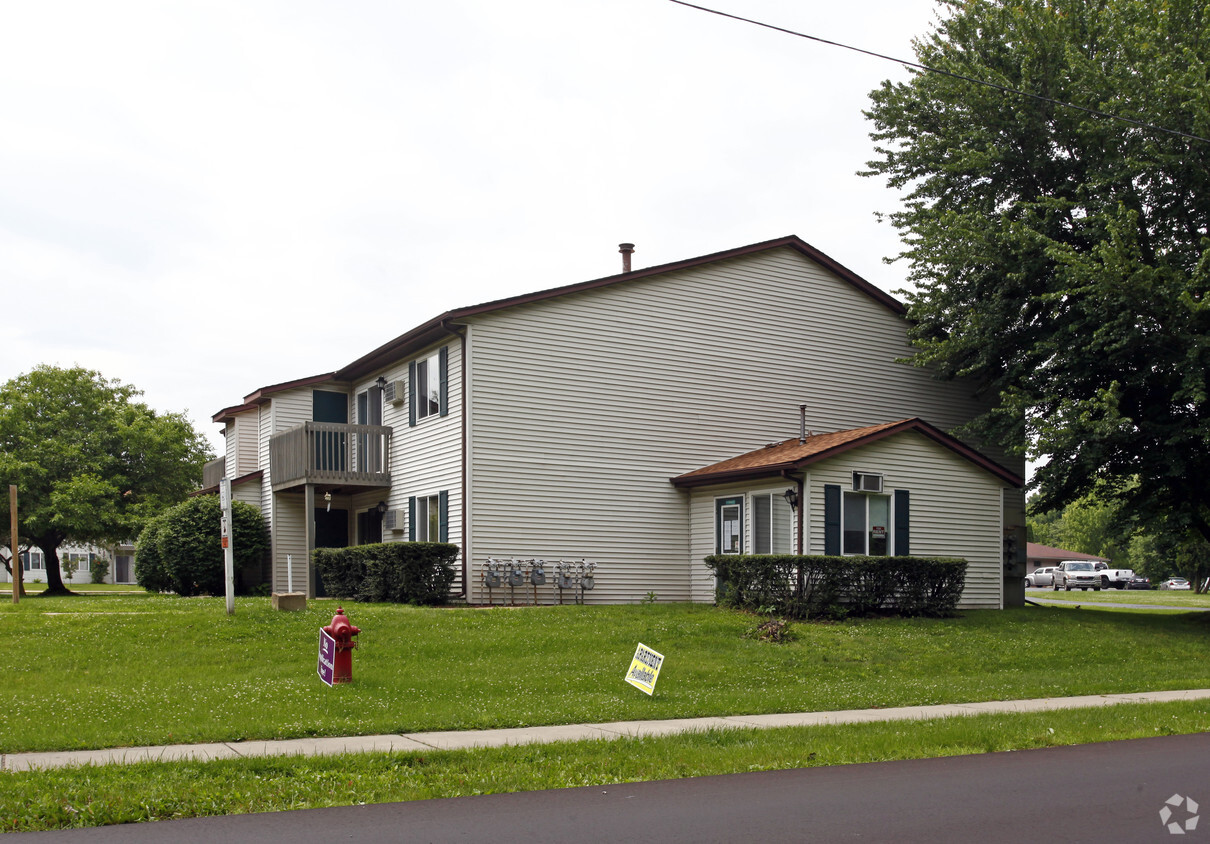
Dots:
(428, 518)
(866, 523)
(772, 524)
(32, 561)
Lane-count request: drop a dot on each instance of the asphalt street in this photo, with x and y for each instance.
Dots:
(1110, 792)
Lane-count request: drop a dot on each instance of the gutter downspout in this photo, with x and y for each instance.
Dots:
(466, 521)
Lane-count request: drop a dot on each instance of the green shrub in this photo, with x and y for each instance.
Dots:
(396, 572)
(834, 587)
(185, 548)
(149, 569)
(100, 568)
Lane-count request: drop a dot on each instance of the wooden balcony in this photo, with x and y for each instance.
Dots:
(213, 472)
(331, 453)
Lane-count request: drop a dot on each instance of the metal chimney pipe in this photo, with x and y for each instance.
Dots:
(802, 424)
(627, 249)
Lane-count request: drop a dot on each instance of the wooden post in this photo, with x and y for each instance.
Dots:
(13, 543)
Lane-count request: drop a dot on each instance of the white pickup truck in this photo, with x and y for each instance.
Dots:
(1117, 578)
(1077, 574)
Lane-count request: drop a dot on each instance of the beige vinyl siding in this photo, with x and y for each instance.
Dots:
(285, 410)
(264, 415)
(586, 404)
(246, 432)
(426, 459)
(955, 506)
(703, 528)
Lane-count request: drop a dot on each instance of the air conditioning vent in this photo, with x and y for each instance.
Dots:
(867, 482)
(393, 520)
(394, 392)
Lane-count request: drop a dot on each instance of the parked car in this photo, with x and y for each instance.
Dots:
(1175, 583)
(1117, 578)
(1077, 574)
(1139, 582)
(1041, 577)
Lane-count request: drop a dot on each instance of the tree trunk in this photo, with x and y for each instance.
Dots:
(54, 574)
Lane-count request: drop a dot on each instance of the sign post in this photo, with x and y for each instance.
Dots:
(645, 669)
(224, 491)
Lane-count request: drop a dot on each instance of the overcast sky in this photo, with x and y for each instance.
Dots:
(204, 198)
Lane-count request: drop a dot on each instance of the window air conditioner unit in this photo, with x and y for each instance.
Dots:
(394, 392)
(393, 520)
(867, 482)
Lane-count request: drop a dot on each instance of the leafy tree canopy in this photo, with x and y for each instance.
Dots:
(91, 463)
(1061, 259)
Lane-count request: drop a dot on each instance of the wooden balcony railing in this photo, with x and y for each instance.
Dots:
(213, 472)
(331, 453)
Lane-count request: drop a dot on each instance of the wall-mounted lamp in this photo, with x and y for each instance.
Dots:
(791, 496)
(328, 499)
(381, 382)
(381, 508)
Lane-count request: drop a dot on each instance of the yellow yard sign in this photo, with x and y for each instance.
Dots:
(644, 668)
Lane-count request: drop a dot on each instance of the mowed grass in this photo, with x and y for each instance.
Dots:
(1147, 597)
(81, 797)
(103, 671)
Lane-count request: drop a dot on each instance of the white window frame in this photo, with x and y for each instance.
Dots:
(777, 504)
(428, 518)
(426, 390)
(848, 495)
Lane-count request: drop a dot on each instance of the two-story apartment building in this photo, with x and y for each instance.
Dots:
(640, 421)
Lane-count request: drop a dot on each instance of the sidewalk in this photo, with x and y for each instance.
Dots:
(569, 732)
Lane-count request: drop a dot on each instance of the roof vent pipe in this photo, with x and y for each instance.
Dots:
(802, 424)
(627, 249)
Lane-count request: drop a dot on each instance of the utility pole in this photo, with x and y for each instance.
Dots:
(13, 542)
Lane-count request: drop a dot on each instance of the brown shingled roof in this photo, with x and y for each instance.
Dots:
(792, 454)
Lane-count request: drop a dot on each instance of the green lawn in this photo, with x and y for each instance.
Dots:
(126, 670)
(1148, 597)
(112, 670)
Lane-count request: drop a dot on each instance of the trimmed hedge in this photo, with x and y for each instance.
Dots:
(394, 572)
(811, 586)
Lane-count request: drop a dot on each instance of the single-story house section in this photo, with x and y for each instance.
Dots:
(548, 425)
(1038, 556)
(898, 488)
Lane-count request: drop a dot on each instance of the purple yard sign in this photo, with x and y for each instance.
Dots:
(327, 656)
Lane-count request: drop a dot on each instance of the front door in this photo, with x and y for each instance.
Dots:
(331, 531)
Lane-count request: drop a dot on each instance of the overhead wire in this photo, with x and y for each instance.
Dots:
(923, 67)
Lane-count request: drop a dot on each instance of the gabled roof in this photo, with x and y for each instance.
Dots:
(1037, 551)
(440, 326)
(261, 395)
(794, 455)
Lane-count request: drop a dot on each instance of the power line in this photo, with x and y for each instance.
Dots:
(917, 66)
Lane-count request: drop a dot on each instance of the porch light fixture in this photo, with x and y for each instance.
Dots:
(381, 508)
(381, 381)
(791, 496)
(328, 500)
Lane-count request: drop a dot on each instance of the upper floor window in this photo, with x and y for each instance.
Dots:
(429, 379)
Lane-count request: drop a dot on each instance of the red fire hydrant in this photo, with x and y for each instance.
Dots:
(343, 632)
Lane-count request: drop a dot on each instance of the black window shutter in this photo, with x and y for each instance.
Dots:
(831, 520)
(443, 366)
(412, 394)
(443, 514)
(412, 519)
(902, 514)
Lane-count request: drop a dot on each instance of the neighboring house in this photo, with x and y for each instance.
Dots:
(1038, 556)
(120, 559)
(589, 422)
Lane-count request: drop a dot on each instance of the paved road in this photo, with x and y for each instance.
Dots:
(1122, 603)
(1111, 792)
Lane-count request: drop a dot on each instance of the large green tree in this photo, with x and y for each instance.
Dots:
(1061, 258)
(91, 463)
